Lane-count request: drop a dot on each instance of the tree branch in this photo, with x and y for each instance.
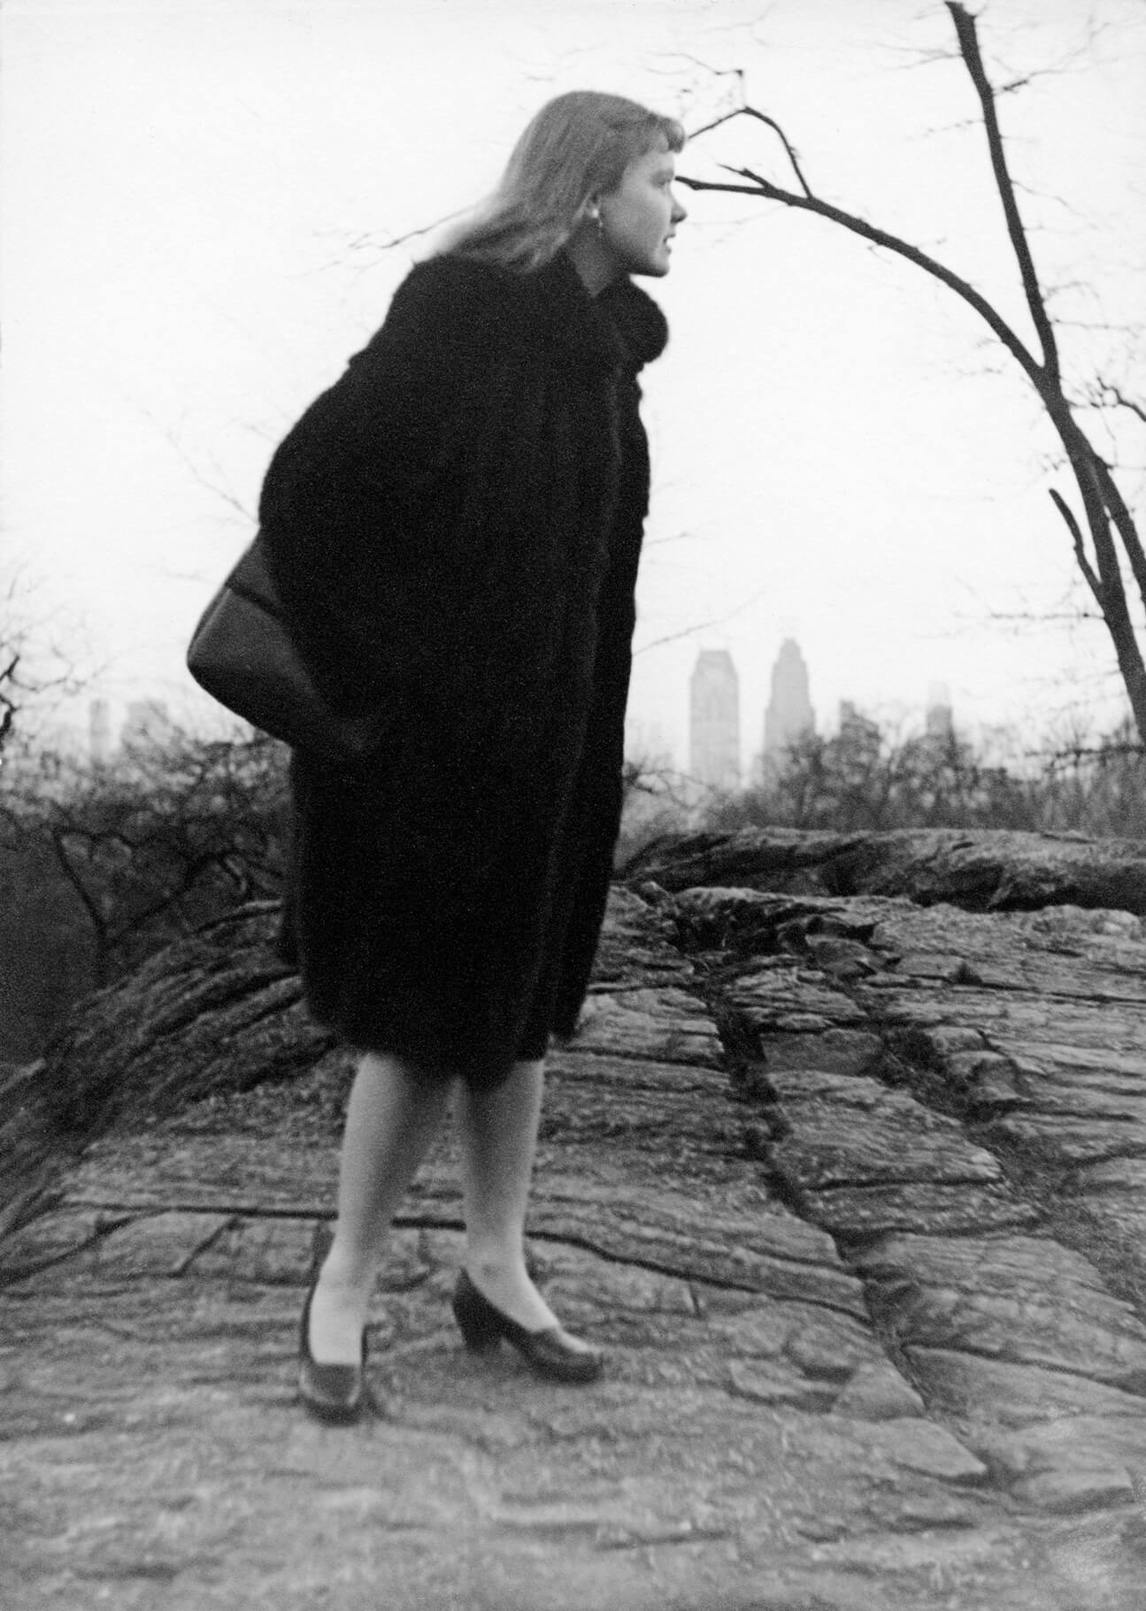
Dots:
(760, 186)
(973, 60)
(700, 626)
(1123, 520)
(8, 706)
(1105, 394)
(91, 907)
(1080, 553)
(762, 117)
(1107, 515)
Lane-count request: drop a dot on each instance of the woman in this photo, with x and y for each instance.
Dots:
(455, 529)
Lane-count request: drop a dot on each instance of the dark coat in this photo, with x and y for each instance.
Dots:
(455, 528)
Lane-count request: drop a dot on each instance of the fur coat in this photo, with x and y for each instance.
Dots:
(455, 528)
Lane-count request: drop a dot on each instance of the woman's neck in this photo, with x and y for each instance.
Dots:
(591, 257)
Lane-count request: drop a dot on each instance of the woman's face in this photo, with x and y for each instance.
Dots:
(639, 217)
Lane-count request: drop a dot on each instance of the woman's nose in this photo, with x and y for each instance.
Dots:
(679, 211)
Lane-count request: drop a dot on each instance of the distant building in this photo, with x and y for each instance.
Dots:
(940, 718)
(714, 721)
(859, 737)
(145, 724)
(99, 732)
(789, 716)
(647, 743)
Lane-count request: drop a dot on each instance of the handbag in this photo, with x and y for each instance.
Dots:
(242, 653)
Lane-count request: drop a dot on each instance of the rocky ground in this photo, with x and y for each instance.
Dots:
(847, 1169)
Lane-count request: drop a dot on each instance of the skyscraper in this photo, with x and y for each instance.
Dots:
(99, 731)
(940, 718)
(714, 720)
(789, 715)
(859, 740)
(145, 724)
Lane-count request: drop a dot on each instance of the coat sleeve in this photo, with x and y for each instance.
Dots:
(345, 500)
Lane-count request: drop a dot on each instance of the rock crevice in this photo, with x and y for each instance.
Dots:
(850, 1186)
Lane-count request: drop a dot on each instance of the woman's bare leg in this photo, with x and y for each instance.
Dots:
(498, 1133)
(391, 1119)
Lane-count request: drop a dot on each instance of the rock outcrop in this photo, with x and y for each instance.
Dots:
(982, 871)
(846, 1168)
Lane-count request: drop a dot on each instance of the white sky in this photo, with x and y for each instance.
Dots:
(195, 193)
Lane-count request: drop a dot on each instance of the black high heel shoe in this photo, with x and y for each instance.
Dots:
(551, 1352)
(337, 1394)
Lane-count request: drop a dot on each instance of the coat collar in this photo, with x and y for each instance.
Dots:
(638, 320)
(621, 328)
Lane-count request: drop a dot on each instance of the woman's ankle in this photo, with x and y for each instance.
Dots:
(496, 1263)
(504, 1278)
(347, 1273)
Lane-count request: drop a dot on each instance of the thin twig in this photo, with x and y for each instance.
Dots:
(700, 626)
(1080, 554)
(760, 186)
(761, 117)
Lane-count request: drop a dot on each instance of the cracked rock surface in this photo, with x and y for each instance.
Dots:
(850, 1187)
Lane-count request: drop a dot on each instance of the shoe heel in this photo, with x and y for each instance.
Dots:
(478, 1326)
(337, 1394)
(551, 1352)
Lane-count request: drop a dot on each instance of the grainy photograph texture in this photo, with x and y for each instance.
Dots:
(573, 805)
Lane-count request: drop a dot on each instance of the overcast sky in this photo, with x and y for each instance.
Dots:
(197, 199)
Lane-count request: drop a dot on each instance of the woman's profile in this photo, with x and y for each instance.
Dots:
(455, 528)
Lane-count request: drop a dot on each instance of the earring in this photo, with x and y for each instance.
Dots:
(594, 213)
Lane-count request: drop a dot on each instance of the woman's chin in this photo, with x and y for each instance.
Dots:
(656, 265)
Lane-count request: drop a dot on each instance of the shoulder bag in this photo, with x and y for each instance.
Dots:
(242, 654)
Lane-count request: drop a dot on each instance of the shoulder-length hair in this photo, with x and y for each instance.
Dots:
(576, 147)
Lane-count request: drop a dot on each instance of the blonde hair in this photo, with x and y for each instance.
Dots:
(576, 147)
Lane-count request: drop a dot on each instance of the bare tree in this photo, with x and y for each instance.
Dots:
(147, 848)
(869, 777)
(1106, 538)
(31, 666)
(9, 697)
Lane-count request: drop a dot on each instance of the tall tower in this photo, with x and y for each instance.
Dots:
(99, 732)
(714, 720)
(789, 715)
(940, 718)
(859, 737)
(145, 724)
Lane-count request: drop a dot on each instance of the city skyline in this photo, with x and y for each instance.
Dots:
(715, 730)
(715, 758)
(838, 453)
(714, 721)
